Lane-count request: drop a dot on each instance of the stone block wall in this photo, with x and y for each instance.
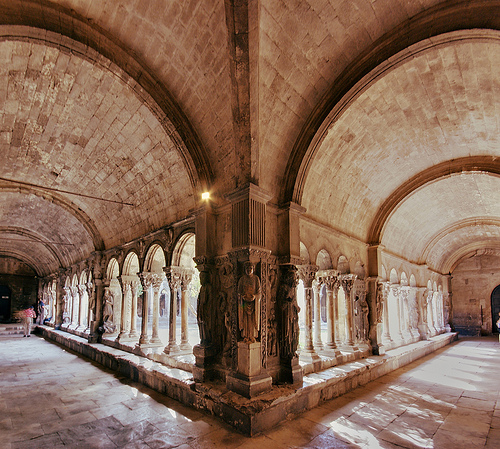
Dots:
(473, 281)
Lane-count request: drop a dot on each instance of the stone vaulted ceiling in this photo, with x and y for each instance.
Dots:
(435, 106)
(380, 118)
(86, 165)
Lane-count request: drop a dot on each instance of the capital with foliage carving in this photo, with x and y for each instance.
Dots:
(307, 274)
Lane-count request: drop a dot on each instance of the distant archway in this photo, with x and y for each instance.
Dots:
(5, 295)
(495, 307)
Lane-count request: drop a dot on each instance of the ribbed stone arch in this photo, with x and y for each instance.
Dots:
(131, 264)
(448, 21)
(67, 28)
(184, 250)
(486, 164)
(155, 259)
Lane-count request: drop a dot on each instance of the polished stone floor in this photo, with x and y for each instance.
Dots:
(52, 398)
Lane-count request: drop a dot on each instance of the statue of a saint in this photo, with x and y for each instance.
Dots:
(203, 309)
(249, 304)
(108, 325)
(289, 339)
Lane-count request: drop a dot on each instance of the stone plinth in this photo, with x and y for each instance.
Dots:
(249, 381)
(202, 369)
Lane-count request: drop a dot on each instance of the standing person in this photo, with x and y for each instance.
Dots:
(29, 314)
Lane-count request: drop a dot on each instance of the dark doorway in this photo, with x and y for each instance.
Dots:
(5, 294)
(495, 307)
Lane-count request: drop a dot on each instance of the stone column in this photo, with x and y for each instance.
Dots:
(316, 287)
(332, 286)
(146, 286)
(187, 276)
(126, 290)
(75, 309)
(134, 285)
(430, 313)
(174, 282)
(387, 333)
(91, 304)
(82, 289)
(156, 281)
(347, 281)
(395, 288)
(307, 274)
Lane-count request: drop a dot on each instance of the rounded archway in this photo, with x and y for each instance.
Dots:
(495, 308)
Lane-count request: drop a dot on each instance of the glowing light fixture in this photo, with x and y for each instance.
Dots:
(205, 196)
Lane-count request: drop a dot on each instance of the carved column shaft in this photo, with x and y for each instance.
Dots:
(126, 287)
(318, 344)
(174, 281)
(156, 281)
(146, 287)
(307, 274)
(133, 313)
(186, 280)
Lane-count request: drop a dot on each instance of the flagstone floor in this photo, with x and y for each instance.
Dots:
(51, 398)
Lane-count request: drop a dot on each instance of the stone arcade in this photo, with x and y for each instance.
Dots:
(251, 193)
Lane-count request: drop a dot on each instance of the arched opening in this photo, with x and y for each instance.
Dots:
(495, 308)
(187, 293)
(5, 303)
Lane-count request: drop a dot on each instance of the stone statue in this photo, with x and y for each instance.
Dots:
(204, 309)
(365, 310)
(65, 311)
(108, 325)
(225, 321)
(289, 314)
(249, 296)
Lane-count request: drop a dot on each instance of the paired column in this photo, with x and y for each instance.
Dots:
(332, 287)
(316, 287)
(82, 290)
(126, 291)
(174, 281)
(156, 281)
(307, 274)
(134, 285)
(146, 287)
(347, 281)
(185, 282)
(385, 295)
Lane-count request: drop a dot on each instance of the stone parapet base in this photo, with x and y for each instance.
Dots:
(249, 416)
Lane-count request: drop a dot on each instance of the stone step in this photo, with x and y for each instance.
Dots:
(10, 329)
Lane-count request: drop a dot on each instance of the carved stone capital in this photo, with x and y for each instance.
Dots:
(347, 282)
(307, 274)
(174, 276)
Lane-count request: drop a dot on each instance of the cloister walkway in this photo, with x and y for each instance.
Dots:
(50, 397)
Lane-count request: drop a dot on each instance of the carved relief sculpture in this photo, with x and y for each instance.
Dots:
(204, 309)
(108, 325)
(289, 314)
(249, 296)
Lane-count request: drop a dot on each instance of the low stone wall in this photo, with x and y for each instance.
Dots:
(249, 416)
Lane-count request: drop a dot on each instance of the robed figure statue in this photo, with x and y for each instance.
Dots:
(249, 296)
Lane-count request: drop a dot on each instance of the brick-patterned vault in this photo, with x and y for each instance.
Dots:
(86, 162)
(419, 117)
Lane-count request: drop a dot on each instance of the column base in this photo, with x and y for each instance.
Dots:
(249, 387)
(171, 349)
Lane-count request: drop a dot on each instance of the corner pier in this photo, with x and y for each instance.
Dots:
(249, 416)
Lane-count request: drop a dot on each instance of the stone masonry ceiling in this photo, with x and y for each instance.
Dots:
(71, 125)
(438, 105)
